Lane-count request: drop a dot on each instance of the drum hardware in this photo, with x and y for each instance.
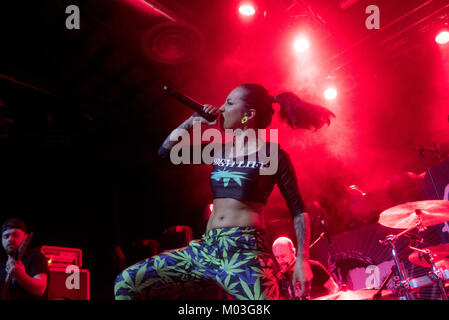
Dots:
(439, 253)
(435, 275)
(404, 285)
(414, 215)
(401, 286)
(428, 279)
(378, 294)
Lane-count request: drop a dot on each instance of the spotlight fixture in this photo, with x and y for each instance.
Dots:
(442, 37)
(330, 93)
(246, 9)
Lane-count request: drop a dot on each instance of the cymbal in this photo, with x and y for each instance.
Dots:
(362, 294)
(404, 216)
(438, 253)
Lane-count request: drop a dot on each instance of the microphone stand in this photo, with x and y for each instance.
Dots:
(421, 155)
(322, 235)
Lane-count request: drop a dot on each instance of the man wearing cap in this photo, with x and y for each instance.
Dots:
(29, 275)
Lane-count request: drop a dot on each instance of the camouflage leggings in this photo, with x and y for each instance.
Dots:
(235, 258)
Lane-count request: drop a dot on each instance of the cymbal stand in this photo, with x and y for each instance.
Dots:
(435, 274)
(403, 285)
(378, 293)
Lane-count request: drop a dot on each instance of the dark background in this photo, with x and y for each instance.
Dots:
(82, 112)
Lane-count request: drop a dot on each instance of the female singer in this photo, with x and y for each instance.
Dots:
(233, 251)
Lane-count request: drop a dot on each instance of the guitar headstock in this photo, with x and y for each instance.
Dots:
(23, 246)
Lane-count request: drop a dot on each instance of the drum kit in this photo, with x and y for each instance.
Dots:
(412, 217)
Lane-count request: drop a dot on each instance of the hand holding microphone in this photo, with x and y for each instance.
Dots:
(208, 111)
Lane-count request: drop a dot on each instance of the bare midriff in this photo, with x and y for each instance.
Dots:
(228, 212)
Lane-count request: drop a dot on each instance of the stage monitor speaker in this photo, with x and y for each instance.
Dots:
(69, 284)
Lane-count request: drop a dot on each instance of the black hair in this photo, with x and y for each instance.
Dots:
(14, 223)
(297, 113)
(300, 114)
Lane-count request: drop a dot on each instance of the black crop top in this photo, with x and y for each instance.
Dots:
(241, 179)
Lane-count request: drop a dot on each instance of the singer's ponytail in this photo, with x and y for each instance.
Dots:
(297, 113)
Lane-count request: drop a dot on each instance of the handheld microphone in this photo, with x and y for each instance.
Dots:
(191, 104)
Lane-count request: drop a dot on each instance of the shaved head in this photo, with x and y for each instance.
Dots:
(284, 251)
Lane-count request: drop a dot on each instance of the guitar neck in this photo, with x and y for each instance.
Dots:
(19, 255)
(23, 247)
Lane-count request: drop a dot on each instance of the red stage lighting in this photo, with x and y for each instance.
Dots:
(330, 93)
(246, 9)
(442, 37)
(301, 44)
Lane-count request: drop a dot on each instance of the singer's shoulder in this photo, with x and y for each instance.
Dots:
(274, 147)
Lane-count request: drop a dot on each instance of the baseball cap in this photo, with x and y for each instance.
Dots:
(14, 223)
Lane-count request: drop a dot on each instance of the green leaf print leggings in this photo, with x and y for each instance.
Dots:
(236, 258)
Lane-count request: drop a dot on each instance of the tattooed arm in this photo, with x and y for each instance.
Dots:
(288, 185)
(302, 274)
(187, 125)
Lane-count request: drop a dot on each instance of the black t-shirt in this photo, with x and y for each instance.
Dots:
(35, 263)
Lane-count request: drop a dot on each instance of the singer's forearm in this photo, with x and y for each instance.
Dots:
(302, 228)
(186, 125)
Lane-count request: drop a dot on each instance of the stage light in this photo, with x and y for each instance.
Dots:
(330, 93)
(301, 44)
(442, 37)
(247, 10)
